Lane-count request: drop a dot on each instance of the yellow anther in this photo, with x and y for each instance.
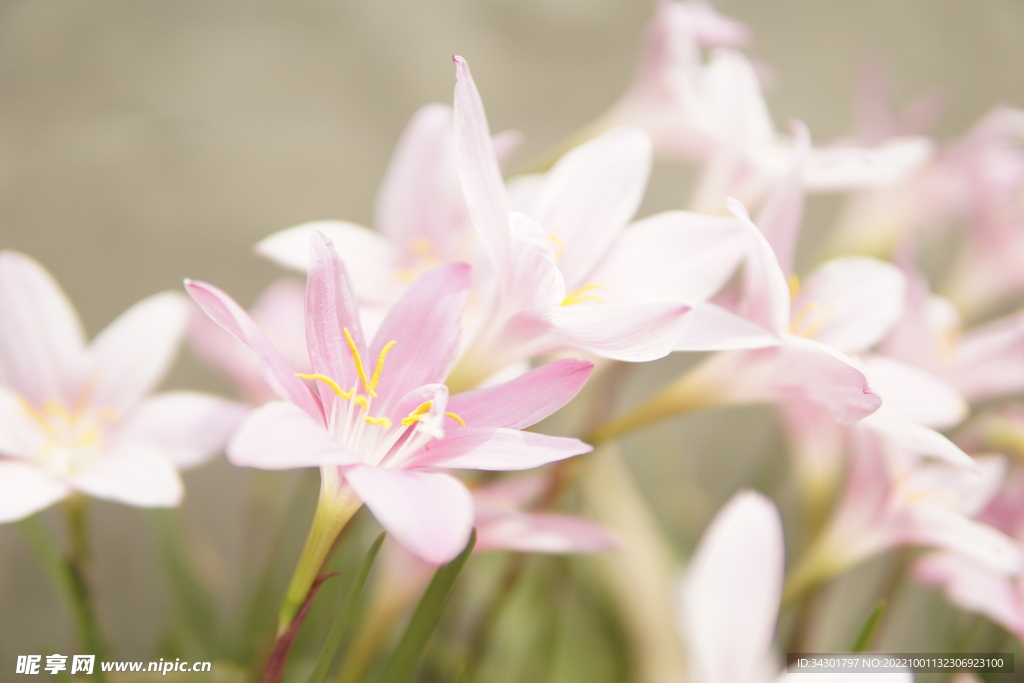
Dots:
(456, 418)
(801, 327)
(580, 295)
(423, 248)
(379, 421)
(559, 247)
(35, 415)
(417, 415)
(794, 285)
(329, 382)
(362, 402)
(380, 367)
(357, 359)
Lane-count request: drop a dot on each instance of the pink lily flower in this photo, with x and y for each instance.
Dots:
(730, 595)
(78, 417)
(379, 435)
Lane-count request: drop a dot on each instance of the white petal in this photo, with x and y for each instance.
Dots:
(26, 489)
(134, 473)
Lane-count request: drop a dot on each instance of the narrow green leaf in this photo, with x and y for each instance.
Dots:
(424, 620)
(867, 631)
(337, 633)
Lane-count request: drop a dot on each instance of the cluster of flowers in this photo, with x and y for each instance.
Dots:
(417, 348)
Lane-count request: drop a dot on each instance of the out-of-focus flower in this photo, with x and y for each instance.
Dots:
(729, 599)
(894, 498)
(78, 417)
(715, 113)
(377, 435)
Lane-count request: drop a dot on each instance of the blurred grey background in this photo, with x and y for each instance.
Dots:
(144, 141)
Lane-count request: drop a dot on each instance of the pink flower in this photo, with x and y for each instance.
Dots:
(379, 421)
(77, 417)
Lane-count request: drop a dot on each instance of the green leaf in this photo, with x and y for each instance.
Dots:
(424, 620)
(867, 631)
(337, 633)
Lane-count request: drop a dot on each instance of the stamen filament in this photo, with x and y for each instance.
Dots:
(456, 418)
(379, 421)
(357, 359)
(380, 367)
(329, 382)
(578, 297)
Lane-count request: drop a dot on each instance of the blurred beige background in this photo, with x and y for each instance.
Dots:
(143, 141)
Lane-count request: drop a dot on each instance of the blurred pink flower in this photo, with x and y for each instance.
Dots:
(381, 434)
(78, 417)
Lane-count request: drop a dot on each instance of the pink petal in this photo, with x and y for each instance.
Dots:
(41, 336)
(331, 309)
(708, 327)
(278, 373)
(524, 401)
(782, 214)
(916, 439)
(672, 255)
(914, 394)
(634, 332)
(973, 587)
(952, 531)
(850, 303)
(848, 168)
(532, 280)
(370, 258)
(280, 436)
(430, 515)
(134, 473)
(496, 449)
(20, 435)
(731, 591)
(478, 166)
(766, 292)
(589, 196)
(540, 533)
(426, 326)
(26, 489)
(990, 359)
(187, 427)
(132, 355)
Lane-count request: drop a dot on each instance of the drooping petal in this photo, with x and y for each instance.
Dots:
(430, 515)
(850, 303)
(426, 326)
(41, 336)
(540, 533)
(525, 400)
(497, 449)
(916, 438)
(278, 373)
(915, 394)
(131, 472)
(280, 436)
(973, 587)
(478, 166)
(589, 196)
(186, 426)
(369, 256)
(731, 591)
(21, 436)
(331, 308)
(26, 489)
(132, 355)
(672, 255)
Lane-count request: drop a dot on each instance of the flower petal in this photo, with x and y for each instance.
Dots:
(429, 514)
(708, 327)
(132, 355)
(26, 489)
(731, 591)
(850, 303)
(478, 166)
(426, 326)
(41, 336)
(915, 438)
(973, 587)
(280, 436)
(952, 531)
(915, 394)
(540, 533)
(278, 373)
(186, 426)
(525, 400)
(496, 449)
(131, 472)
(589, 196)
(20, 434)
(370, 258)
(765, 290)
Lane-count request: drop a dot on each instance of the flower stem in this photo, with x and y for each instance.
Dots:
(333, 511)
(78, 571)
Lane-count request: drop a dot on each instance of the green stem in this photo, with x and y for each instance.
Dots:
(78, 568)
(333, 511)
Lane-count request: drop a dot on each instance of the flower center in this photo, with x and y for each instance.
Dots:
(73, 438)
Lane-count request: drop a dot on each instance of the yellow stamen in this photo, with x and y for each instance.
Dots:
(379, 421)
(794, 285)
(329, 382)
(797, 325)
(416, 415)
(580, 295)
(559, 247)
(43, 423)
(362, 402)
(456, 418)
(380, 367)
(357, 359)
(423, 248)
